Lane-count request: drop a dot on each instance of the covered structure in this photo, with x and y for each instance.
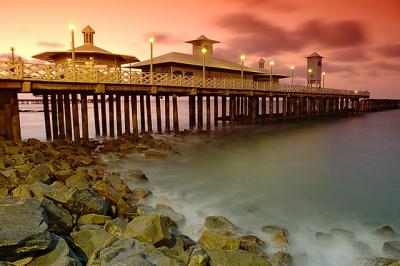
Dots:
(192, 64)
(88, 53)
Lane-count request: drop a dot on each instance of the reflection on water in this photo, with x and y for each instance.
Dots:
(308, 177)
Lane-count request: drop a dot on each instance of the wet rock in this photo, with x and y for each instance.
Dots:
(5, 182)
(273, 229)
(116, 182)
(90, 239)
(323, 236)
(22, 191)
(34, 142)
(280, 240)
(343, 234)
(133, 178)
(199, 257)
(164, 146)
(281, 259)
(40, 173)
(151, 229)
(252, 244)
(77, 181)
(61, 255)
(63, 175)
(3, 192)
(126, 146)
(107, 191)
(155, 154)
(115, 227)
(85, 201)
(380, 261)
(176, 255)
(124, 209)
(164, 210)
(23, 170)
(213, 240)
(93, 219)
(23, 228)
(363, 249)
(2, 165)
(236, 257)
(392, 248)
(140, 193)
(60, 220)
(221, 224)
(386, 231)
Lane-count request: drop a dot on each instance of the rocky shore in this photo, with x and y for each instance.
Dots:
(60, 206)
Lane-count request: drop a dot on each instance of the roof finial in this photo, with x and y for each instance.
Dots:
(88, 33)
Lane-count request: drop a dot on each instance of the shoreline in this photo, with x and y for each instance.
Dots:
(87, 212)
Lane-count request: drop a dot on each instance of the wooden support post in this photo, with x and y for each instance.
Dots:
(254, 100)
(111, 114)
(246, 106)
(135, 129)
(208, 106)
(277, 106)
(85, 121)
(199, 112)
(263, 107)
(237, 106)
(216, 111)
(231, 110)
(54, 120)
(68, 119)
(167, 118)
(96, 115)
(46, 116)
(142, 117)
(15, 122)
(148, 111)
(60, 109)
(75, 117)
(317, 105)
(192, 111)
(175, 113)
(158, 113)
(297, 107)
(223, 111)
(127, 115)
(103, 115)
(284, 107)
(271, 107)
(118, 113)
(242, 106)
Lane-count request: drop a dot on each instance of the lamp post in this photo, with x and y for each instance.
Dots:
(242, 57)
(72, 29)
(204, 51)
(12, 55)
(309, 76)
(151, 41)
(271, 64)
(292, 73)
(323, 79)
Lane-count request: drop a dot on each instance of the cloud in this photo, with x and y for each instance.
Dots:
(349, 55)
(392, 50)
(277, 5)
(7, 57)
(162, 37)
(50, 44)
(385, 66)
(253, 35)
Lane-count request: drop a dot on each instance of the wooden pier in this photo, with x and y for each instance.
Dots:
(119, 97)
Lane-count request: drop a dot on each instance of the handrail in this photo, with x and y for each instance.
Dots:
(91, 74)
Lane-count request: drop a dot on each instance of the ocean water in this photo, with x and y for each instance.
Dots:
(307, 176)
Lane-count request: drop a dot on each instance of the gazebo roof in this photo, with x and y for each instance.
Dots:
(202, 38)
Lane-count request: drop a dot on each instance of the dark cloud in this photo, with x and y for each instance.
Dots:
(349, 55)
(392, 50)
(385, 66)
(277, 5)
(50, 44)
(253, 35)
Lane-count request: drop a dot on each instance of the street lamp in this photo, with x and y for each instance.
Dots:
(72, 29)
(271, 64)
(12, 55)
(204, 51)
(151, 41)
(309, 76)
(292, 72)
(242, 57)
(323, 79)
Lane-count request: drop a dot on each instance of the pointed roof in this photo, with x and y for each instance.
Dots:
(315, 54)
(88, 29)
(202, 38)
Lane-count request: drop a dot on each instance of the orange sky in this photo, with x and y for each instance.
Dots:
(360, 39)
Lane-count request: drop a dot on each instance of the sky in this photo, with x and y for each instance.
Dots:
(359, 39)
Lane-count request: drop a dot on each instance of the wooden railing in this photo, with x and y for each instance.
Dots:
(89, 74)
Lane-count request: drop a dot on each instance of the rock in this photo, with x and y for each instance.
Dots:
(199, 257)
(12, 150)
(40, 173)
(3, 192)
(116, 182)
(236, 258)
(61, 255)
(221, 224)
(23, 228)
(23, 170)
(164, 210)
(252, 244)
(126, 146)
(56, 192)
(21, 191)
(174, 254)
(63, 175)
(392, 248)
(77, 181)
(60, 220)
(323, 236)
(386, 231)
(155, 154)
(2, 165)
(21, 262)
(281, 259)
(140, 193)
(85, 201)
(84, 160)
(280, 240)
(380, 261)
(164, 146)
(5, 182)
(273, 229)
(34, 142)
(151, 229)
(90, 239)
(115, 227)
(363, 249)
(107, 191)
(124, 209)
(92, 218)
(343, 234)
(213, 240)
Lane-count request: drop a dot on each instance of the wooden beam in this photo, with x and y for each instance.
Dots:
(216, 111)
(223, 111)
(75, 116)
(148, 111)
(167, 118)
(142, 117)
(85, 121)
(254, 110)
(199, 112)
(111, 114)
(118, 113)
(231, 110)
(127, 115)
(158, 113)
(271, 107)
(208, 107)
(103, 115)
(47, 123)
(175, 113)
(192, 112)
(96, 115)
(68, 119)
(60, 109)
(135, 125)
(54, 120)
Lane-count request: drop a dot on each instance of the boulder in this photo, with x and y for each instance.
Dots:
(3, 192)
(40, 173)
(323, 236)
(281, 259)
(115, 227)
(386, 231)
(60, 220)
(23, 170)
(117, 183)
(236, 258)
(88, 240)
(392, 248)
(273, 229)
(343, 234)
(133, 178)
(252, 244)
(5, 182)
(78, 181)
(164, 210)
(124, 209)
(21, 191)
(380, 261)
(61, 255)
(213, 240)
(93, 218)
(107, 191)
(155, 154)
(280, 240)
(63, 175)
(199, 257)
(23, 228)
(151, 229)
(85, 201)
(56, 192)
(222, 225)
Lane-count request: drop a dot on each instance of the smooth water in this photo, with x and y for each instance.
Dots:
(306, 176)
